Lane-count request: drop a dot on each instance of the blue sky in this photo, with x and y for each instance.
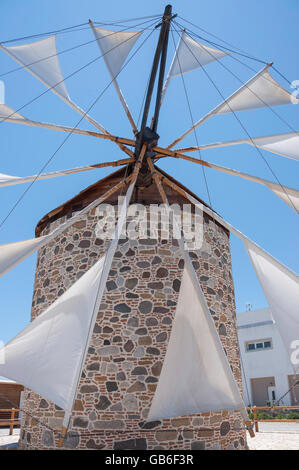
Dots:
(266, 29)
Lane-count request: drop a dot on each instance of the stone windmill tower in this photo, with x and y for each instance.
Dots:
(131, 334)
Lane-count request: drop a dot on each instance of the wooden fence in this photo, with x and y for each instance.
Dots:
(255, 409)
(10, 417)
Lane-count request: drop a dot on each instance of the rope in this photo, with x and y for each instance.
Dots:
(192, 122)
(276, 113)
(291, 388)
(73, 48)
(238, 119)
(71, 29)
(245, 379)
(71, 132)
(225, 42)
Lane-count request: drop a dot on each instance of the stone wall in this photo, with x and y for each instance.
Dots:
(129, 342)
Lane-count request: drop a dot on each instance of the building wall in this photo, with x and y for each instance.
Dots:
(258, 325)
(129, 342)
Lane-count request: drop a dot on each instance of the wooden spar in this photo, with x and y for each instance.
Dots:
(157, 180)
(215, 145)
(152, 79)
(269, 184)
(71, 171)
(55, 127)
(215, 110)
(154, 123)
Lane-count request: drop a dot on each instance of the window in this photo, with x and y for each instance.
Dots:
(258, 345)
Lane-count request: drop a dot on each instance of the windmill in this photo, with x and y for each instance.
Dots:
(127, 354)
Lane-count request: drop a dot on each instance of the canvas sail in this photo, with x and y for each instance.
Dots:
(281, 289)
(6, 112)
(190, 55)
(286, 145)
(115, 47)
(41, 59)
(12, 254)
(262, 90)
(196, 376)
(46, 355)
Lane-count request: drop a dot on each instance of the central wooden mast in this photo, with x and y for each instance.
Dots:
(148, 135)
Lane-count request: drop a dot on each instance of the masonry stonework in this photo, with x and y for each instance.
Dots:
(130, 339)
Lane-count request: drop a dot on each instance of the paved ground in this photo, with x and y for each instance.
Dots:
(275, 436)
(272, 436)
(6, 440)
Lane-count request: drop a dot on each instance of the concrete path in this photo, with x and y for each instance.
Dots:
(275, 436)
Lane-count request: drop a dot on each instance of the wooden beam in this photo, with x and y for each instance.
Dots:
(55, 127)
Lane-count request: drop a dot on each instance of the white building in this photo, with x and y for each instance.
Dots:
(266, 368)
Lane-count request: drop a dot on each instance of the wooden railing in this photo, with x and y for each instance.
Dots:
(255, 409)
(9, 417)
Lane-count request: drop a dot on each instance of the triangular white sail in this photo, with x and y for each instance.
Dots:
(115, 46)
(41, 59)
(6, 112)
(285, 145)
(260, 91)
(195, 376)
(190, 55)
(8, 180)
(12, 254)
(47, 355)
(281, 289)
(288, 195)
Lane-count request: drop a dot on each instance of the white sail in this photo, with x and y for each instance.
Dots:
(12, 254)
(8, 180)
(190, 55)
(47, 355)
(116, 46)
(285, 145)
(41, 59)
(6, 112)
(288, 195)
(193, 378)
(262, 90)
(281, 289)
